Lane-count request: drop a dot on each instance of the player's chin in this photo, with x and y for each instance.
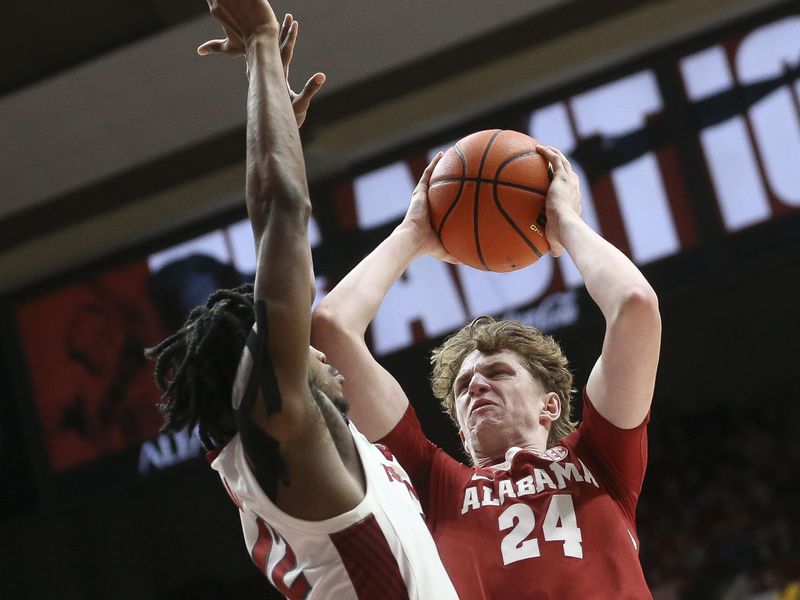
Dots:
(340, 402)
(486, 418)
(487, 431)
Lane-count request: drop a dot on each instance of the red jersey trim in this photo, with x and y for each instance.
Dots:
(606, 423)
(369, 561)
(211, 455)
(300, 588)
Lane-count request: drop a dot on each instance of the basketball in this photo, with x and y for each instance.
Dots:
(486, 199)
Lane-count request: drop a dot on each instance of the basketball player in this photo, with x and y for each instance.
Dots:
(325, 513)
(546, 510)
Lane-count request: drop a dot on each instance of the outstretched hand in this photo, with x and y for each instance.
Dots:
(233, 45)
(418, 218)
(300, 101)
(240, 20)
(563, 197)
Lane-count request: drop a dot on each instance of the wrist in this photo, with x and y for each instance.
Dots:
(258, 46)
(566, 223)
(565, 215)
(267, 33)
(410, 238)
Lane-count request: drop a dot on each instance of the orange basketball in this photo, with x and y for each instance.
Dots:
(486, 199)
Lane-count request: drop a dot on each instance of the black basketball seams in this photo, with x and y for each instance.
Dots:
(499, 206)
(512, 158)
(511, 222)
(458, 183)
(476, 204)
(462, 158)
(458, 194)
(497, 182)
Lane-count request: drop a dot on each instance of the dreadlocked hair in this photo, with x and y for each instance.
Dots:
(195, 367)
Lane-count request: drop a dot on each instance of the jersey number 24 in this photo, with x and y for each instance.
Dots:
(559, 524)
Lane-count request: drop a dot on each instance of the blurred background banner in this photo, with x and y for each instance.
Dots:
(689, 152)
(84, 349)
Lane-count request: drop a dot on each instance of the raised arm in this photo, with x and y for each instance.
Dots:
(319, 484)
(621, 383)
(233, 46)
(277, 198)
(377, 402)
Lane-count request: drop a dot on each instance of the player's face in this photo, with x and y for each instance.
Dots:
(499, 404)
(327, 378)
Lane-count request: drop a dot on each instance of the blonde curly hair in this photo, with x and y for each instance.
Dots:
(541, 354)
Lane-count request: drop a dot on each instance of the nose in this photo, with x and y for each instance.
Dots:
(478, 385)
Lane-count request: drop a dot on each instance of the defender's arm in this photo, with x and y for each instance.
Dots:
(319, 484)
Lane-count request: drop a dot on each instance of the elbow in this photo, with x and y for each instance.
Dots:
(281, 195)
(642, 295)
(325, 327)
(640, 303)
(331, 332)
(273, 181)
(292, 203)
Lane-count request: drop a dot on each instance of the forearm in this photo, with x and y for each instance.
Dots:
(354, 302)
(611, 279)
(279, 209)
(377, 402)
(275, 167)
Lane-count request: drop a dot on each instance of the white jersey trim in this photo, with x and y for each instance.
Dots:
(389, 500)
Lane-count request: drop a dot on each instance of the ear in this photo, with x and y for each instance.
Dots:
(551, 409)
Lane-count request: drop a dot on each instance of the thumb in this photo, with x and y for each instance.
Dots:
(311, 87)
(556, 249)
(211, 47)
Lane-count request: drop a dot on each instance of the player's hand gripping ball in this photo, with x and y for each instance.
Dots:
(487, 198)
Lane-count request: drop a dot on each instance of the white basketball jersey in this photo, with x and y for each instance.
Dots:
(381, 549)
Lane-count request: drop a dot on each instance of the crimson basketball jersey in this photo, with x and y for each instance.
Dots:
(557, 525)
(381, 549)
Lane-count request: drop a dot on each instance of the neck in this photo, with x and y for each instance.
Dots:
(481, 460)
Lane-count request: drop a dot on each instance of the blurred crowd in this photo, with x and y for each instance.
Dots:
(719, 515)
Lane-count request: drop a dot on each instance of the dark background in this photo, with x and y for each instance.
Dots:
(721, 503)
